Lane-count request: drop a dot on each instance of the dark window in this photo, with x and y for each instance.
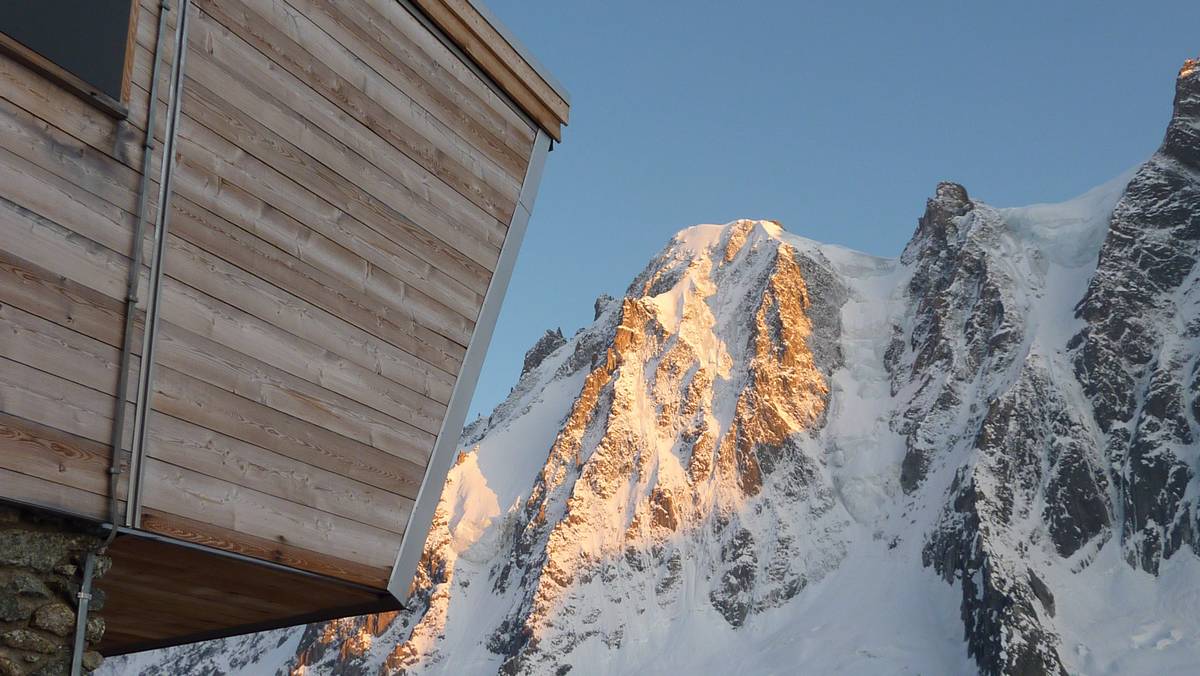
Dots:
(86, 43)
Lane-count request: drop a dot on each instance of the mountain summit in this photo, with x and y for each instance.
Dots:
(777, 456)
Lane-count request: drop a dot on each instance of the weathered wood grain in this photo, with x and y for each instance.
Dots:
(286, 553)
(431, 206)
(212, 169)
(71, 160)
(222, 457)
(46, 346)
(225, 250)
(66, 111)
(303, 49)
(40, 292)
(199, 497)
(500, 61)
(72, 463)
(372, 382)
(386, 38)
(47, 494)
(233, 372)
(47, 244)
(208, 406)
(55, 402)
(343, 188)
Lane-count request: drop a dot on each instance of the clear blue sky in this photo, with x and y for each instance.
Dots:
(835, 118)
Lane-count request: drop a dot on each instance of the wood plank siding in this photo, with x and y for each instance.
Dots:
(344, 179)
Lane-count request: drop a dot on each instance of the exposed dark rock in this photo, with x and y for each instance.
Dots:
(1145, 275)
(56, 618)
(603, 301)
(1000, 624)
(732, 597)
(544, 347)
(1076, 510)
(1042, 592)
(961, 325)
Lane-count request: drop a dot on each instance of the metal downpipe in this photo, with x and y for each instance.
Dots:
(137, 466)
(132, 286)
(81, 612)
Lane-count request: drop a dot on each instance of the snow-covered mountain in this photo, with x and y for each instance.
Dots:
(778, 456)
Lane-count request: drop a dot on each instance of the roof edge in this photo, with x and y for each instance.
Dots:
(521, 49)
(491, 48)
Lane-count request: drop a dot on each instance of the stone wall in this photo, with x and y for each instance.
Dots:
(41, 565)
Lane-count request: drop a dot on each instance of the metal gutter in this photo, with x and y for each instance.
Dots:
(420, 520)
(137, 465)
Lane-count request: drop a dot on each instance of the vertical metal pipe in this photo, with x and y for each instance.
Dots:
(137, 469)
(132, 283)
(81, 614)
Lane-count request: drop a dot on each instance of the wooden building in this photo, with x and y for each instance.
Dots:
(347, 185)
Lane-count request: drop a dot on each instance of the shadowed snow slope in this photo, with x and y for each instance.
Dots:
(777, 456)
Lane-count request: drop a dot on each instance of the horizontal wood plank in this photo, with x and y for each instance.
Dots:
(220, 322)
(222, 457)
(46, 399)
(228, 255)
(85, 218)
(343, 188)
(71, 463)
(208, 406)
(384, 36)
(193, 495)
(196, 496)
(198, 532)
(71, 160)
(34, 490)
(51, 296)
(213, 170)
(294, 42)
(62, 109)
(31, 340)
(222, 367)
(427, 205)
(49, 245)
(218, 279)
(471, 32)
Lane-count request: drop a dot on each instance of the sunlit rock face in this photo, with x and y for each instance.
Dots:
(776, 456)
(687, 442)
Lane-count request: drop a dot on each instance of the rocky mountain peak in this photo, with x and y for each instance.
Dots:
(949, 200)
(938, 227)
(547, 344)
(1135, 356)
(1183, 134)
(775, 455)
(1189, 67)
(601, 304)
